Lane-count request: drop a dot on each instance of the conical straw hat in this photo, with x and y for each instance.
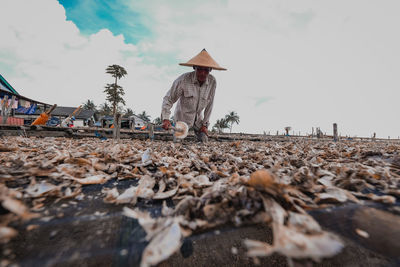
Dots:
(203, 59)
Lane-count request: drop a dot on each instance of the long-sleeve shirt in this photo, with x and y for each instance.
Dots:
(192, 99)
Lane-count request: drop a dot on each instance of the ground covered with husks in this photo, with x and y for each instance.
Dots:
(293, 202)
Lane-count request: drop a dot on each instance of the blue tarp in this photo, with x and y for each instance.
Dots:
(31, 110)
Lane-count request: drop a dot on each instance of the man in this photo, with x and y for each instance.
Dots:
(195, 93)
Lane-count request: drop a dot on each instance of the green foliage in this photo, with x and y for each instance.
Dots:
(113, 91)
(114, 95)
(105, 109)
(116, 71)
(128, 112)
(144, 116)
(220, 125)
(89, 105)
(231, 118)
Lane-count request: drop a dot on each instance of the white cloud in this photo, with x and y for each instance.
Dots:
(50, 60)
(317, 62)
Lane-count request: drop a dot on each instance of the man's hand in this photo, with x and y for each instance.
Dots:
(166, 124)
(204, 129)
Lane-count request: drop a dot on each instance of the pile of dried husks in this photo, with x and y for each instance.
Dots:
(210, 185)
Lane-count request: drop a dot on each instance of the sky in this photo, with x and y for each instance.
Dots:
(297, 63)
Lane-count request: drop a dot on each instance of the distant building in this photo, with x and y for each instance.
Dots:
(22, 104)
(131, 122)
(138, 122)
(82, 117)
(6, 87)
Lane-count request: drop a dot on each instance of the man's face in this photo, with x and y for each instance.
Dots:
(202, 73)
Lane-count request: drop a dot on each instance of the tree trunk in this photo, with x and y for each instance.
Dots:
(117, 126)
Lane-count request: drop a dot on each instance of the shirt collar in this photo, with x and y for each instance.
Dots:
(195, 81)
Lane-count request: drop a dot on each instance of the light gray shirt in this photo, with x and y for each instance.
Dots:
(192, 99)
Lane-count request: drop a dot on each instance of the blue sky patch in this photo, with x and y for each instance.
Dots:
(115, 15)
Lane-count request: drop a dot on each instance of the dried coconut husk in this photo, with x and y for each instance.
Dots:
(17, 207)
(7, 233)
(265, 180)
(294, 244)
(165, 236)
(95, 179)
(300, 238)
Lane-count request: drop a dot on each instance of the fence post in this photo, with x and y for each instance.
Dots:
(150, 126)
(335, 135)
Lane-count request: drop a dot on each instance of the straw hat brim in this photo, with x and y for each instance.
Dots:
(203, 59)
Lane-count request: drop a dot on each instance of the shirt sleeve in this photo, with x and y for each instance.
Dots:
(169, 99)
(209, 107)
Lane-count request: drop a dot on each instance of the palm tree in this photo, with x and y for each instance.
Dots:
(89, 105)
(116, 71)
(105, 109)
(128, 112)
(231, 118)
(157, 121)
(144, 116)
(114, 94)
(220, 125)
(114, 91)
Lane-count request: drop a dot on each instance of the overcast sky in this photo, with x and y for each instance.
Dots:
(293, 63)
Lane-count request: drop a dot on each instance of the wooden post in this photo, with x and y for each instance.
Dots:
(335, 135)
(312, 131)
(132, 123)
(150, 126)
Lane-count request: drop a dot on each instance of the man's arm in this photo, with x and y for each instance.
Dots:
(169, 99)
